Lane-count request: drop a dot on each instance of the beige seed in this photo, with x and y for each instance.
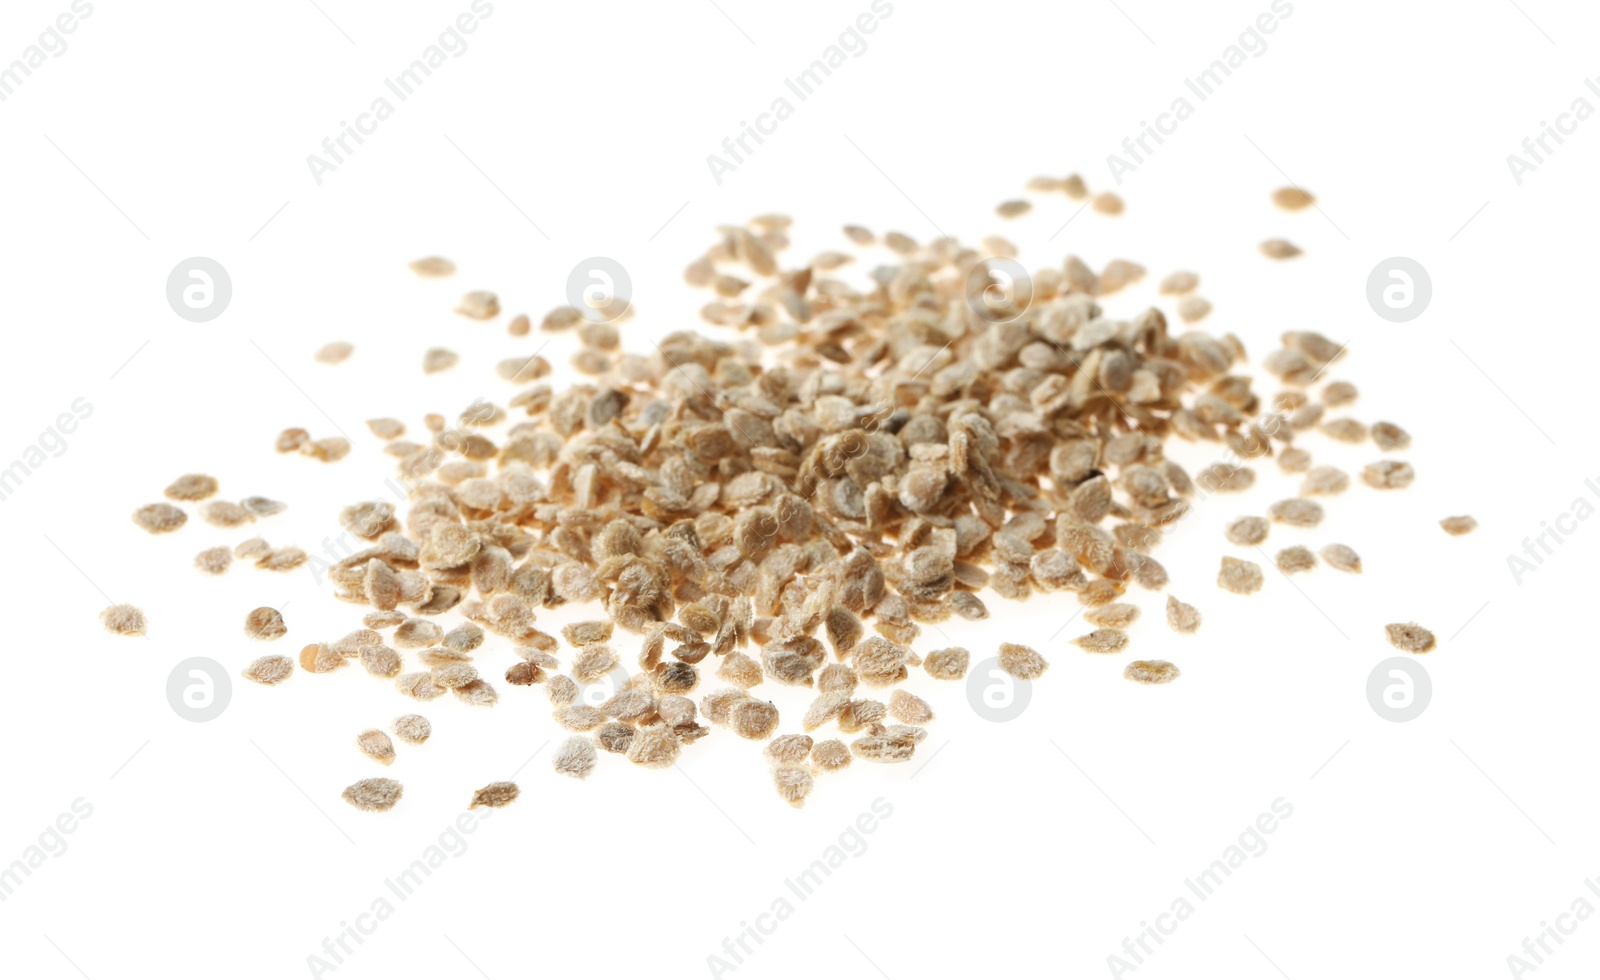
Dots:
(1179, 283)
(519, 325)
(1022, 662)
(252, 548)
(1151, 672)
(1117, 615)
(909, 708)
(788, 750)
(479, 693)
(1103, 641)
(214, 561)
(576, 757)
(1295, 559)
(335, 353)
(739, 670)
(373, 794)
(1013, 209)
(753, 719)
(1106, 202)
(1457, 526)
(1324, 480)
(437, 359)
(380, 661)
(329, 450)
(1294, 460)
(1296, 512)
(412, 728)
(1345, 430)
(124, 620)
(1342, 557)
(159, 518)
(263, 506)
(949, 664)
(282, 559)
(1247, 531)
(418, 685)
(1278, 248)
(495, 795)
(1292, 198)
(433, 267)
(1389, 436)
(1240, 576)
(830, 756)
(896, 747)
(290, 440)
(1388, 474)
(1337, 394)
(1074, 187)
(793, 785)
(1193, 309)
(479, 305)
(264, 623)
(269, 670)
(654, 747)
(1409, 637)
(191, 486)
(225, 513)
(375, 745)
(1182, 617)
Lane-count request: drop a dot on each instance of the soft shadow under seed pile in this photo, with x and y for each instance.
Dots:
(786, 507)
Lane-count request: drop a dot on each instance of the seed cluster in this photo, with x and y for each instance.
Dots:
(792, 506)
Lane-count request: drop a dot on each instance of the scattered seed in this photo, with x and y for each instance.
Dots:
(1106, 202)
(1342, 557)
(1388, 474)
(438, 359)
(1151, 672)
(495, 795)
(159, 518)
(577, 757)
(1458, 525)
(793, 784)
(1103, 641)
(1296, 512)
(1181, 616)
(1240, 576)
(1410, 637)
(1118, 615)
(373, 794)
(214, 561)
(1324, 480)
(264, 623)
(479, 305)
(1389, 436)
(412, 728)
(1294, 559)
(433, 267)
(191, 486)
(1022, 662)
(335, 352)
(1013, 209)
(1247, 531)
(1292, 199)
(269, 670)
(123, 620)
(375, 745)
(1278, 248)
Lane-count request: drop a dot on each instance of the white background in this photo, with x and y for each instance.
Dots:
(1429, 848)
